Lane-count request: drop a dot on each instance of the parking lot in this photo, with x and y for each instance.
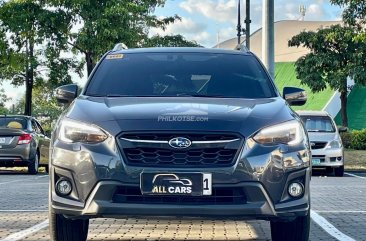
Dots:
(338, 213)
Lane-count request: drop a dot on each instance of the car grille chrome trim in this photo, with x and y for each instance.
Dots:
(145, 141)
(193, 142)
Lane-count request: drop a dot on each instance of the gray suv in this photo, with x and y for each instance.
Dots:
(181, 132)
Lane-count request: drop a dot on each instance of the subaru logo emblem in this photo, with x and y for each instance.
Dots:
(180, 143)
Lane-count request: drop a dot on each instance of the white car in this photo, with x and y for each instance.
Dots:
(326, 144)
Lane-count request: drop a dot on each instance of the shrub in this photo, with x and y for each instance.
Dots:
(346, 139)
(358, 140)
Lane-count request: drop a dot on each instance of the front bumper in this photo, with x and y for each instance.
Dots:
(328, 157)
(257, 204)
(263, 173)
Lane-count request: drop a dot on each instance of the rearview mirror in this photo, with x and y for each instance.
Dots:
(342, 129)
(294, 96)
(66, 93)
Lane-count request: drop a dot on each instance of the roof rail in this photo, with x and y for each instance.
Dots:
(242, 47)
(119, 46)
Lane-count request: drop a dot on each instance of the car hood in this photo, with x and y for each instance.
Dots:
(322, 136)
(180, 113)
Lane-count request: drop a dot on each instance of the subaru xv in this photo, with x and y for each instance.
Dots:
(180, 132)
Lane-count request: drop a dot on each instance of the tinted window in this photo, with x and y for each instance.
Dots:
(318, 124)
(13, 122)
(180, 74)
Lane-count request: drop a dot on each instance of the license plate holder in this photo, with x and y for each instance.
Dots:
(184, 184)
(315, 162)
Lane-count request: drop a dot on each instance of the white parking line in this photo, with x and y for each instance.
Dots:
(329, 228)
(21, 211)
(356, 211)
(20, 235)
(353, 175)
(23, 180)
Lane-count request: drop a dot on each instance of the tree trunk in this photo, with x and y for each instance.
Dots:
(29, 79)
(344, 116)
(89, 63)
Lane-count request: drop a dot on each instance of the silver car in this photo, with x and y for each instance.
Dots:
(326, 144)
(23, 143)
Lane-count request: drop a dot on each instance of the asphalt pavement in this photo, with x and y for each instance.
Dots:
(338, 213)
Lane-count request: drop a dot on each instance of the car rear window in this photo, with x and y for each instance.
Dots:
(318, 124)
(13, 122)
(181, 74)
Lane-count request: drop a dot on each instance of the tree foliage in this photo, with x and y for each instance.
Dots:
(170, 41)
(99, 25)
(3, 99)
(44, 105)
(354, 12)
(334, 56)
(30, 27)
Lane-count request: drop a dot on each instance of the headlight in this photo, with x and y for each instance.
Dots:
(73, 131)
(334, 144)
(289, 133)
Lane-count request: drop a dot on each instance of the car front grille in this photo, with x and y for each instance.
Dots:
(320, 157)
(153, 150)
(318, 145)
(220, 195)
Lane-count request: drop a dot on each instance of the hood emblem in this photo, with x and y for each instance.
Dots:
(180, 143)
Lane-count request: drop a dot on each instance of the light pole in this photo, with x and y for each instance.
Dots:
(268, 36)
(247, 24)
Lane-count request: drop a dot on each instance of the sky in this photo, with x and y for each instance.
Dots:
(205, 20)
(210, 21)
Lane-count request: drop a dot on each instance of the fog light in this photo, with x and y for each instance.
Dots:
(339, 158)
(296, 189)
(63, 187)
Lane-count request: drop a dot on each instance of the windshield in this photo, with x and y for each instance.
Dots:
(13, 122)
(318, 123)
(181, 74)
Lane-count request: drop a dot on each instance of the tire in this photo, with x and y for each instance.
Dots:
(63, 229)
(34, 165)
(296, 230)
(47, 168)
(339, 171)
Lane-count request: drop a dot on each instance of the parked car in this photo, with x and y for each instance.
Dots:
(23, 143)
(326, 143)
(181, 132)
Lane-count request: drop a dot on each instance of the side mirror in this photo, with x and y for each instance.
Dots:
(294, 96)
(66, 93)
(342, 129)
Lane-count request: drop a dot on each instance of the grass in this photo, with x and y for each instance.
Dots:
(356, 109)
(286, 76)
(355, 160)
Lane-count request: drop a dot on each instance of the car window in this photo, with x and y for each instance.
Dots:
(318, 124)
(35, 127)
(13, 122)
(40, 128)
(181, 74)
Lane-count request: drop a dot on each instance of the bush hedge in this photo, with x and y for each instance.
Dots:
(355, 139)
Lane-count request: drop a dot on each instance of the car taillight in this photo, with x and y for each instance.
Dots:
(24, 139)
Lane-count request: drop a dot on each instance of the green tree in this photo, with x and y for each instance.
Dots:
(45, 107)
(169, 41)
(3, 100)
(30, 28)
(99, 25)
(334, 56)
(354, 11)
